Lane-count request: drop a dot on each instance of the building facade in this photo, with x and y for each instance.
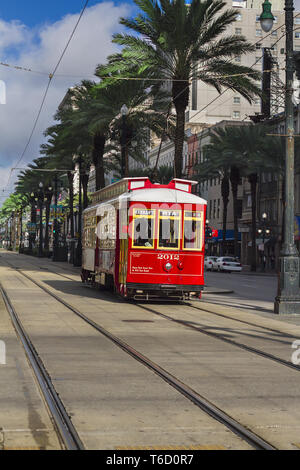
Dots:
(206, 105)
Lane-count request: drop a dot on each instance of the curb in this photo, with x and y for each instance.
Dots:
(217, 291)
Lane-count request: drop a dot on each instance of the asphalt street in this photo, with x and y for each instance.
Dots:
(250, 291)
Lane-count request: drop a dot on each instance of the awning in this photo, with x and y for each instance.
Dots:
(229, 235)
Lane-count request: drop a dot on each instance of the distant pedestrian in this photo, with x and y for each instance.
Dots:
(264, 262)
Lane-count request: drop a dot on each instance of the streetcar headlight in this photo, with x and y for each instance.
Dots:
(168, 266)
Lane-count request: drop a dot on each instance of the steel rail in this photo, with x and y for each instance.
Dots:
(218, 336)
(200, 308)
(62, 421)
(201, 402)
(201, 330)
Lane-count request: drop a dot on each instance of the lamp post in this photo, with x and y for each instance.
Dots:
(78, 251)
(55, 225)
(41, 200)
(264, 232)
(287, 300)
(124, 113)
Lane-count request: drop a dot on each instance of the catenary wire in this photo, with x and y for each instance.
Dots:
(51, 75)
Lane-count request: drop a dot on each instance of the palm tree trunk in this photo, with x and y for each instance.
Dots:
(180, 95)
(253, 178)
(32, 233)
(71, 213)
(48, 204)
(84, 182)
(97, 157)
(234, 179)
(225, 198)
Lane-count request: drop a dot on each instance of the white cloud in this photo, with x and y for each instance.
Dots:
(40, 51)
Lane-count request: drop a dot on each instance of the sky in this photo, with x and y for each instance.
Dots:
(33, 34)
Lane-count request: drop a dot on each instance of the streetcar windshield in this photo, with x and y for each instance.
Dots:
(143, 228)
(193, 230)
(169, 229)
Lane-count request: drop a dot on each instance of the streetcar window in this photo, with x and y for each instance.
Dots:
(143, 228)
(193, 230)
(169, 229)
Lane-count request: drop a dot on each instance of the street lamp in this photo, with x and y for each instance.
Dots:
(287, 300)
(124, 113)
(264, 232)
(266, 18)
(41, 200)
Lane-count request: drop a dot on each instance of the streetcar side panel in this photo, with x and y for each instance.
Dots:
(89, 240)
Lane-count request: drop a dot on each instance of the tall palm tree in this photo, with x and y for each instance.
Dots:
(175, 41)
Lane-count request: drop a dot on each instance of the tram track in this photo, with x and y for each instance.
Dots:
(198, 328)
(201, 402)
(64, 427)
(200, 308)
(216, 335)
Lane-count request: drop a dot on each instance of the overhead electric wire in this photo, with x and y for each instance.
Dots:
(51, 75)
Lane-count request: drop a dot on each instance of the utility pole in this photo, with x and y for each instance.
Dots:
(287, 300)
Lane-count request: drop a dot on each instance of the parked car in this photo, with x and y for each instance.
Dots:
(208, 262)
(226, 263)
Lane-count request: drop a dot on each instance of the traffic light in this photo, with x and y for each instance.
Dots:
(208, 232)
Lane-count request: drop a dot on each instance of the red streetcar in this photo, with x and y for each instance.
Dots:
(145, 240)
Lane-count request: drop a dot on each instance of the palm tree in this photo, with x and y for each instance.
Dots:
(176, 42)
(245, 151)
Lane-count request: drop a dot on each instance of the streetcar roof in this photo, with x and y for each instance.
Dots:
(162, 195)
(169, 196)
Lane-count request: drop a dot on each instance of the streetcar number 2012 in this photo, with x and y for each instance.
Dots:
(166, 256)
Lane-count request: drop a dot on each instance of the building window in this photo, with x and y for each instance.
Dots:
(236, 114)
(258, 60)
(275, 19)
(297, 20)
(257, 101)
(238, 17)
(258, 45)
(257, 18)
(218, 209)
(258, 32)
(236, 99)
(274, 33)
(297, 35)
(237, 58)
(238, 31)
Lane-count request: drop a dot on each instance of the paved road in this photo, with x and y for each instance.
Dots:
(227, 355)
(250, 291)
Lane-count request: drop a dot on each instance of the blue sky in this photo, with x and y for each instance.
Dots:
(33, 34)
(36, 12)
